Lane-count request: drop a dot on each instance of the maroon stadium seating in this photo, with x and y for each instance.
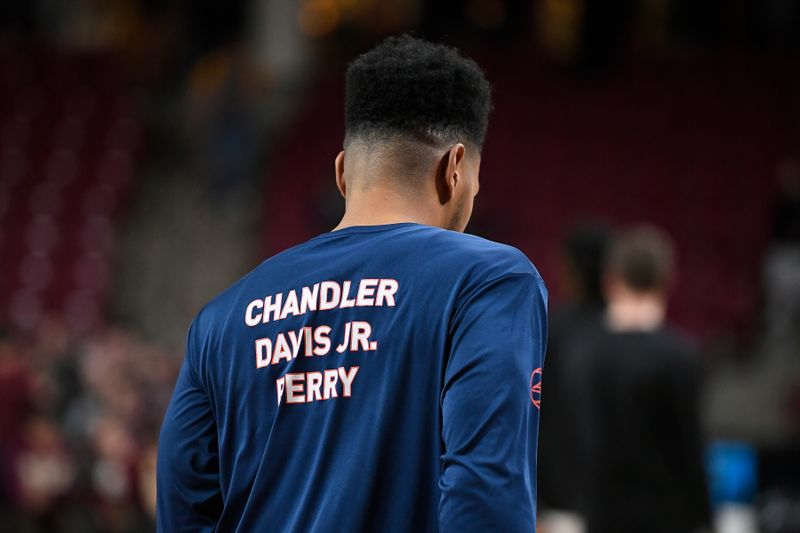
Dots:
(69, 139)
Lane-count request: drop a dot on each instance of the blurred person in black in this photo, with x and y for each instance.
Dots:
(563, 413)
(782, 261)
(645, 448)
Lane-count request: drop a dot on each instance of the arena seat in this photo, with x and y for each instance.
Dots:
(70, 141)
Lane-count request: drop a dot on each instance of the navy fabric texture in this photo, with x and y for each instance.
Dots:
(375, 378)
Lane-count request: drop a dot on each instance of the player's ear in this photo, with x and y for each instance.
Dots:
(339, 168)
(450, 173)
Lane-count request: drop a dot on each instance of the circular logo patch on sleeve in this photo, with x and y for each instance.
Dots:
(536, 388)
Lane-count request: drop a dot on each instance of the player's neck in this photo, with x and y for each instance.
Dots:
(379, 207)
(636, 313)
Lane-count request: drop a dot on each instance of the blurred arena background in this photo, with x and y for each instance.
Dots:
(153, 151)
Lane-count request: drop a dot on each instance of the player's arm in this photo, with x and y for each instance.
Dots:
(489, 423)
(188, 488)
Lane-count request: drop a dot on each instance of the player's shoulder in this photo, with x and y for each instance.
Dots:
(217, 311)
(665, 347)
(223, 300)
(676, 344)
(435, 249)
(488, 258)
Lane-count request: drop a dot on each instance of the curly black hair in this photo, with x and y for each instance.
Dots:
(410, 87)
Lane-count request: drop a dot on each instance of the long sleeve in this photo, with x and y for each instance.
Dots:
(489, 417)
(188, 487)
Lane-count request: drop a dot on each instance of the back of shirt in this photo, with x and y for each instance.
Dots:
(646, 465)
(376, 378)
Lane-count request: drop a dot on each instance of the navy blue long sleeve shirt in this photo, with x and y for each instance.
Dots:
(375, 378)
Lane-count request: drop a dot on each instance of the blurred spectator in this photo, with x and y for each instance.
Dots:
(782, 264)
(645, 453)
(563, 427)
(78, 423)
(15, 398)
(223, 93)
(42, 474)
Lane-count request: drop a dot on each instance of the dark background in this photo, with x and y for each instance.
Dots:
(153, 151)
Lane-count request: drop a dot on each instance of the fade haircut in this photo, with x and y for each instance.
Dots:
(643, 257)
(410, 88)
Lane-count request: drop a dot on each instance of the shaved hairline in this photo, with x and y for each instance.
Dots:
(405, 158)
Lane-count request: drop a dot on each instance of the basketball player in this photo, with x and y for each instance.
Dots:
(380, 377)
